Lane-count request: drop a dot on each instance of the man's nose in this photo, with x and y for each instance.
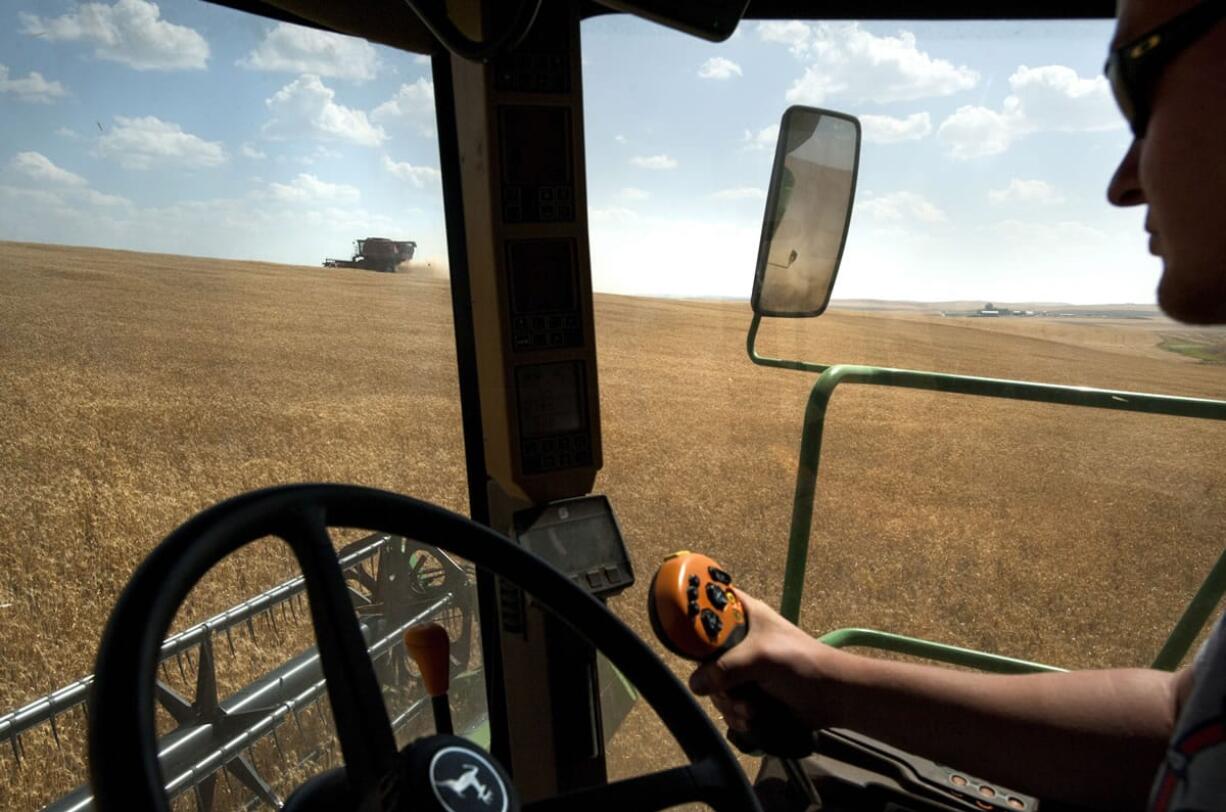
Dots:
(1125, 186)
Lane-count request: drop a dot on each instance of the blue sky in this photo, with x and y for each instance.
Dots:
(188, 128)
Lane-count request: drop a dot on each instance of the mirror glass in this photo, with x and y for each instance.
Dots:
(808, 210)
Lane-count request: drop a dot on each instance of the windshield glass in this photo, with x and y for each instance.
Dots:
(980, 243)
(223, 268)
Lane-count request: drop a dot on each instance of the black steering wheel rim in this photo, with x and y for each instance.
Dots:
(124, 770)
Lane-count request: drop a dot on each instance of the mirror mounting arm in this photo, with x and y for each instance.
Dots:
(781, 363)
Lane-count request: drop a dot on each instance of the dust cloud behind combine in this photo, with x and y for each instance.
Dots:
(137, 389)
(427, 268)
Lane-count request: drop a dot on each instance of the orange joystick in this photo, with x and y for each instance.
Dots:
(693, 610)
(428, 645)
(696, 614)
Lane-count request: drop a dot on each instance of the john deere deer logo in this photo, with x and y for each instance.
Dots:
(466, 781)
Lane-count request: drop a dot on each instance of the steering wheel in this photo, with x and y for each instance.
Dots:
(123, 757)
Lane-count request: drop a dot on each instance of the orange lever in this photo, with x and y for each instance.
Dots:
(428, 645)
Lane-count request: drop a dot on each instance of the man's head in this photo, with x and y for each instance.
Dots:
(1178, 165)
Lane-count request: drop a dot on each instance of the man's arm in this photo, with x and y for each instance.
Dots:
(1093, 738)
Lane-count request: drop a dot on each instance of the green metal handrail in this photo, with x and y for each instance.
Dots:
(830, 376)
(915, 647)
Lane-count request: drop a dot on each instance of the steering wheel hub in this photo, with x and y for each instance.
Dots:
(462, 777)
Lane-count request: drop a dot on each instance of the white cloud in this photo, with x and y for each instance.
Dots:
(902, 206)
(619, 138)
(413, 103)
(68, 132)
(296, 49)
(33, 88)
(717, 67)
(96, 198)
(47, 215)
(765, 138)
(1026, 191)
(1054, 97)
(307, 188)
(794, 34)
(974, 132)
(846, 61)
(633, 193)
(891, 130)
(740, 193)
(22, 199)
(248, 150)
(39, 167)
(146, 142)
(130, 32)
(654, 162)
(306, 106)
(419, 176)
(58, 190)
(1051, 98)
(319, 153)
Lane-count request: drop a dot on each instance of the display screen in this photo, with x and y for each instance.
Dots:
(550, 398)
(577, 546)
(536, 146)
(542, 275)
(579, 537)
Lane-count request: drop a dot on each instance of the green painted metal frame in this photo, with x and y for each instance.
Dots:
(831, 375)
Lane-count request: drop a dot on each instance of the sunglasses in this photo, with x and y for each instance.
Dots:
(1134, 69)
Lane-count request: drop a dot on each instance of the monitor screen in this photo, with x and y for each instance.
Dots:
(542, 276)
(550, 398)
(536, 146)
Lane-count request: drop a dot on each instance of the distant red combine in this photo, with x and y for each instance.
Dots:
(376, 254)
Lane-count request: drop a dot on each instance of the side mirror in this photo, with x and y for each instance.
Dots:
(808, 211)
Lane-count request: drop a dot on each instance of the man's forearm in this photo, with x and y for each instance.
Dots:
(1089, 737)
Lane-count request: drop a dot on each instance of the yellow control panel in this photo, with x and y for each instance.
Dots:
(520, 129)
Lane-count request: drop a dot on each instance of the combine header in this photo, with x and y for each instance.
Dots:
(376, 254)
(214, 732)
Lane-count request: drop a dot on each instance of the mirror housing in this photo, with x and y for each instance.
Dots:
(808, 212)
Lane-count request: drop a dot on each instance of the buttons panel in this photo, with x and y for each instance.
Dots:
(559, 331)
(539, 204)
(556, 453)
(532, 73)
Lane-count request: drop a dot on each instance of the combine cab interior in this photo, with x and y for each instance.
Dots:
(580, 437)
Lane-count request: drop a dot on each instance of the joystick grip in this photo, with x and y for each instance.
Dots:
(696, 614)
(774, 730)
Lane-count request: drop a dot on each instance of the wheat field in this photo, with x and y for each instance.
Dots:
(137, 389)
